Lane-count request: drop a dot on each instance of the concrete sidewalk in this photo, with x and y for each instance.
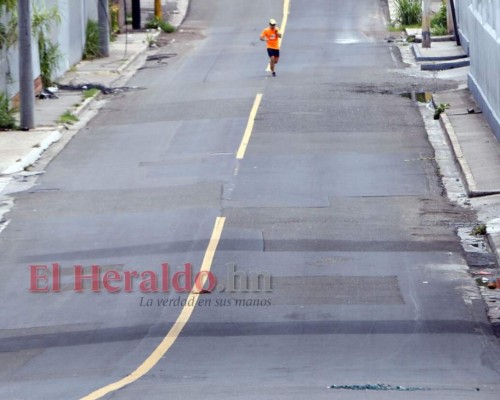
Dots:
(19, 150)
(477, 153)
(442, 55)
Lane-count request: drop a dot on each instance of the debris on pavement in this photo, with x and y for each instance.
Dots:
(377, 386)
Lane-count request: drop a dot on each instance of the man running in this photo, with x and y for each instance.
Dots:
(272, 36)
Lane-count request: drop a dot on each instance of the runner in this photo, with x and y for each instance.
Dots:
(272, 36)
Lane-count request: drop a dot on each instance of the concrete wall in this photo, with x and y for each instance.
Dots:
(3, 61)
(464, 22)
(70, 34)
(479, 25)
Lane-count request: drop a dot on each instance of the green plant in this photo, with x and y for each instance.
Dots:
(439, 31)
(114, 12)
(167, 27)
(8, 31)
(395, 27)
(150, 40)
(49, 59)
(91, 49)
(409, 12)
(7, 4)
(42, 22)
(3, 35)
(68, 118)
(441, 17)
(87, 94)
(441, 108)
(7, 120)
(155, 23)
(479, 230)
(439, 21)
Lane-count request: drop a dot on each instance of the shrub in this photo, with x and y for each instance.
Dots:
(439, 21)
(68, 118)
(114, 12)
(43, 21)
(441, 108)
(91, 49)
(479, 230)
(156, 23)
(409, 12)
(49, 60)
(7, 120)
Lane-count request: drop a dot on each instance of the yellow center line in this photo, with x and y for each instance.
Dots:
(176, 329)
(284, 21)
(248, 131)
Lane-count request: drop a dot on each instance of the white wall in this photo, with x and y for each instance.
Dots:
(69, 34)
(464, 21)
(479, 23)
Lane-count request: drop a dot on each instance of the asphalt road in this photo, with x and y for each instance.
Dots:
(336, 199)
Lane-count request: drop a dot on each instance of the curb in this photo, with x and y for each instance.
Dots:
(183, 8)
(465, 171)
(86, 104)
(493, 236)
(129, 62)
(449, 38)
(34, 154)
(445, 65)
(132, 59)
(419, 57)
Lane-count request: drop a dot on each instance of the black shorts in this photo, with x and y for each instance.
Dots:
(273, 52)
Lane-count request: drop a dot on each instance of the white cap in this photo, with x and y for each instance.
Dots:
(272, 22)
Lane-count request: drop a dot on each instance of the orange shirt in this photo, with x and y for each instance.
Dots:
(273, 41)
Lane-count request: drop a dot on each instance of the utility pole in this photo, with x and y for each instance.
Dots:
(158, 10)
(426, 24)
(26, 83)
(103, 21)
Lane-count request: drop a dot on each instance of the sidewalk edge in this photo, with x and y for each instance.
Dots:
(132, 58)
(419, 57)
(178, 19)
(34, 154)
(465, 171)
(443, 66)
(493, 236)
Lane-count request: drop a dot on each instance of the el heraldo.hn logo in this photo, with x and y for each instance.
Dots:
(94, 278)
